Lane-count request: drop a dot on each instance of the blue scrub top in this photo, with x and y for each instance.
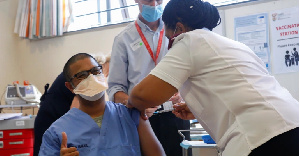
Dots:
(117, 136)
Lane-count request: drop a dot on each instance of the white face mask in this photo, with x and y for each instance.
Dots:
(92, 88)
(93, 98)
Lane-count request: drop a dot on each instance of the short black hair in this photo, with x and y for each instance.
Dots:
(194, 14)
(72, 60)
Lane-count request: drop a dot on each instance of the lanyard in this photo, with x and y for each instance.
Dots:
(147, 44)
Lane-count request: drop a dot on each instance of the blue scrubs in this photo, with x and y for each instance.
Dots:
(117, 136)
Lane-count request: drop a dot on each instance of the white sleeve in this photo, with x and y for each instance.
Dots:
(175, 67)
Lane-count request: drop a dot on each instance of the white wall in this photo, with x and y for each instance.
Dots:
(43, 60)
(40, 61)
(9, 66)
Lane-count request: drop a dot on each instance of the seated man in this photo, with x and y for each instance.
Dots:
(97, 127)
(57, 101)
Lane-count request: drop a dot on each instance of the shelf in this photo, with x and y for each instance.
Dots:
(20, 105)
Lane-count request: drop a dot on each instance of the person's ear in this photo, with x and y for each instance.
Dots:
(69, 86)
(181, 28)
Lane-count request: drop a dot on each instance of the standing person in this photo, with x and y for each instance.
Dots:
(97, 127)
(287, 59)
(136, 51)
(224, 84)
(292, 60)
(296, 55)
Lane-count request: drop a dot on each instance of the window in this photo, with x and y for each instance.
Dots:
(97, 13)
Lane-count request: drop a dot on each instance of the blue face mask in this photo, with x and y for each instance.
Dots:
(152, 13)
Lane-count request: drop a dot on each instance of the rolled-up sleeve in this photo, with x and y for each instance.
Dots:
(117, 79)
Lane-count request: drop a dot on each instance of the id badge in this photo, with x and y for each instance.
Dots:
(136, 44)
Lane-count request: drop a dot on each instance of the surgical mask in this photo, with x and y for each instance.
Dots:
(93, 98)
(171, 40)
(92, 88)
(152, 13)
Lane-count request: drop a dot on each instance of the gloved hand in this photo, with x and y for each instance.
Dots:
(182, 111)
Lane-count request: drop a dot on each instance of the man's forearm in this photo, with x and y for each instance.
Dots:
(120, 97)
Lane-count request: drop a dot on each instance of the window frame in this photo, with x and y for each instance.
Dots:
(237, 3)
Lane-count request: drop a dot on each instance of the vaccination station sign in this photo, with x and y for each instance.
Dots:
(282, 28)
(285, 40)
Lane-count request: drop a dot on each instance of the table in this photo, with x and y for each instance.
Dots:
(196, 134)
(32, 105)
(195, 144)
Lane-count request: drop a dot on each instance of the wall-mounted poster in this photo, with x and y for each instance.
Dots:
(253, 31)
(285, 40)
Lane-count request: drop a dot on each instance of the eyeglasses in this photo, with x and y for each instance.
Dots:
(84, 74)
